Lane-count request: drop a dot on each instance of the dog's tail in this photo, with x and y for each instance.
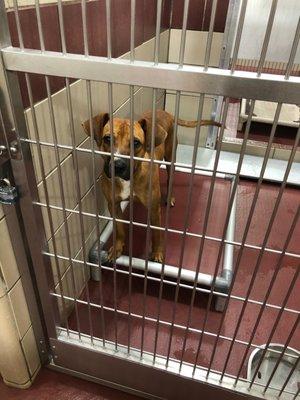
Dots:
(193, 124)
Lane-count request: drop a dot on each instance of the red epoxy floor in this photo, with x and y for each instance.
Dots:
(266, 200)
(51, 385)
(284, 135)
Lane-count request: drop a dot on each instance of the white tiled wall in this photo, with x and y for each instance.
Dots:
(15, 316)
(8, 264)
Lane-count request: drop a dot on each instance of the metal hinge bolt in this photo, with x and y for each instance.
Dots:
(13, 148)
(3, 149)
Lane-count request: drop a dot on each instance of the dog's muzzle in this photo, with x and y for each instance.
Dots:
(122, 168)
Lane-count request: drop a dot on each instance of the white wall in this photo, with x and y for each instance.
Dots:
(283, 31)
(194, 55)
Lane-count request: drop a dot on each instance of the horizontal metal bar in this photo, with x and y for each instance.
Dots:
(241, 84)
(249, 172)
(64, 346)
(197, 235)
(228, 249)
(163, 322)
(172, 283)
(172, 271)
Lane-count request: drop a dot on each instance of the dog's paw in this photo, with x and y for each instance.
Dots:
(114, 254)
(157, 256)
(172, 201)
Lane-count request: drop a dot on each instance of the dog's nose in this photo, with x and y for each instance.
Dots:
(120, 166)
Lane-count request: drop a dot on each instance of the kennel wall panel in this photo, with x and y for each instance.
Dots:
(195, 47)
(23, 349)
(188, 110)
(96, 21)
(194, 55)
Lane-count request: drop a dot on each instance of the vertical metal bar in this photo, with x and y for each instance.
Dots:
(90, 108)
(204, 14)
(283, 350)
(84, 255)
(72, 129)
(113, 206)
(132, 30)
(88, 90)
(108, 28)
(113, 183)
(169, 30)
(92, 142)
(61, 27)
(183, 33)
(238, 35)
(210, 34)
(154, 95)
(267, 37)
(41, 163)
(293, 369)
(205, 225)
(84, 27)
(157, 32)
(75, 162)
(39, 23)
(152, 148)
(131, 97)
(131, 93)
(229, 210)
(19, 29)
(273, 216)
(247, 227)
(290, 63)
(186, 220)
(170, 185)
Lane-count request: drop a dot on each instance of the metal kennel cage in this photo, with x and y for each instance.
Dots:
(91, 353)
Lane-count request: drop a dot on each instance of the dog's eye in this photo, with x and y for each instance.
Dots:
(136, 143)
(106, 139)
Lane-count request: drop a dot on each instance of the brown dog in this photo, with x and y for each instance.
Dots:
(142, 145)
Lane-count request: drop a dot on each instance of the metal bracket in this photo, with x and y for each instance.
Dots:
(224, 62)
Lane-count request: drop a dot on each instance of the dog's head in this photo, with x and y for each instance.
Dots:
(118, 137)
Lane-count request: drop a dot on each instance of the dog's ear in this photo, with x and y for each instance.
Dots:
(99, 122)
(159, 132)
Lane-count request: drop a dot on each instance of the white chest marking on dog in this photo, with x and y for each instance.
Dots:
(125, 189)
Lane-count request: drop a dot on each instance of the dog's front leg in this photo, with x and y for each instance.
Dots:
(115, 252)
(157, 248)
